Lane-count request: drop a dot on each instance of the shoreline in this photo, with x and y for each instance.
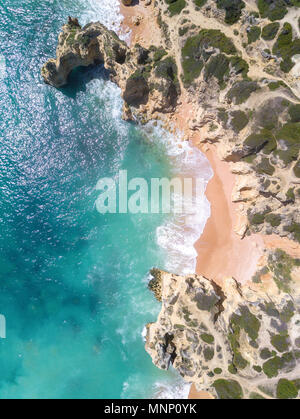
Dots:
(218, 241)
(223, 249)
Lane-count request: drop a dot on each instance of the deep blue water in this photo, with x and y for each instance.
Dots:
(72, 282)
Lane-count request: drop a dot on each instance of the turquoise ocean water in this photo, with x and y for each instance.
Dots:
(73, 282)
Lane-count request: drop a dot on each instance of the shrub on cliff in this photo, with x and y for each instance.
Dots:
(285, 47)
(194, 51)
(272, 9)
(218, 67)
(241, 91)
(233, 9)
(286, 389)
(297, 169)
(176, 6)
(253, 34)
(200, 3)
(228, 389)
(294, 112)
(239, 120)
(270, 31)
(289, 138)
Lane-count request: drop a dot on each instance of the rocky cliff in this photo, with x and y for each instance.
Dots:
(235, 342)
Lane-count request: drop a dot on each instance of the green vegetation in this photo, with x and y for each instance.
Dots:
(265, 354)
(294, 112)
(257, 368)
(200, 3)
(294, 228)
(264, 141)
(218, 371)
(175, 6)
(208, 353)
(256, 219)
(297, 169)
(272, 9)
(223, 116)
(241, 91)
(247, 321)
(193, 52)
(233, 9)
(290, 195)
(272, 366)
(273, 219)
(256, 396)
(285, 47)
(232, 369)
(72, 35)
(288, 312)
(280, 342)
(281, 264)
(159, 54)
(179, 326)
(228, 389)
(289, 137)
(167, 69)
(270, 31)
(276, 85)
(218, 66)
(265, 167)
(239, 120)
(286, 389)
(207, 338)
(183, 31)
(251, 325)
(253, 34)
(241, 66)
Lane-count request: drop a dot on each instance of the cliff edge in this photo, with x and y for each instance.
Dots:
(235, 341)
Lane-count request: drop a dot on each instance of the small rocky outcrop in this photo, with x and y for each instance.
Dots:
(148, 78)
(233, 341)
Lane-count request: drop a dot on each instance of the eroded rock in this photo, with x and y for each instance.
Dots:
(214, 335)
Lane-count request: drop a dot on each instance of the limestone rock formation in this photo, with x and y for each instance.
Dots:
(79, 46)
(233, 341)
(148, 78)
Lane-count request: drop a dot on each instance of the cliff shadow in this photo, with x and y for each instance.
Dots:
(81, 76)
(134, 3)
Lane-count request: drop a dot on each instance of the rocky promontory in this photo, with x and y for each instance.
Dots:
(235, 341)
(147, 77)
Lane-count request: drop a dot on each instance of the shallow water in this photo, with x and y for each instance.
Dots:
(73, 283)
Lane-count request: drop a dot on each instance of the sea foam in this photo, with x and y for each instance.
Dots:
(178, 235)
